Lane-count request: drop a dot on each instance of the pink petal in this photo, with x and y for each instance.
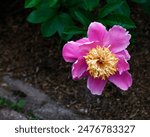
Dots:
(96, 32)
(70, 51)
(118, 38)
(84, 49)
(122, 65)
(95, 85)
(79, 69)
(83, 40)
(123, 81)
(125, 54)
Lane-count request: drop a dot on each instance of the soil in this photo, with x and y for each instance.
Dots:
(26, 55)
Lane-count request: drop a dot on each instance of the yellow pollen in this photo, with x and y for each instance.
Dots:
(101, 62)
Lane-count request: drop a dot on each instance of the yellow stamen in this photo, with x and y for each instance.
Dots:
(101, 62)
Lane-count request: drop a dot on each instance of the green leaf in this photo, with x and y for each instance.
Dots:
(57, 24)
(89, 4)
(70, 31)
(64, 20)
(108, 8)
(41, 14)
(123, 9)
(112, 1)
(140, 1)
(79, 16)
(119, 19)
(31, 3)
(49, 27)
(73, 30)
(52, 2)
(72, 3)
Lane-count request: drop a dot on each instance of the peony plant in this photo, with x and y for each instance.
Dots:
(101, 56)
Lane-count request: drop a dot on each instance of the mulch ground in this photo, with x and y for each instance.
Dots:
(26, 55)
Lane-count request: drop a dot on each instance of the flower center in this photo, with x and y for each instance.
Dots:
(101, 62)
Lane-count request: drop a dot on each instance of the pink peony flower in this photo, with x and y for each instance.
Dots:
(100, 57)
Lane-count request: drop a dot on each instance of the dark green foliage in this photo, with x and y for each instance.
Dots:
(119, 19)
(70, 17)
(108, 8)
(56, 24)
(140, 1)
(89, 4)
(122, 9)
(42, 14)
(31, 3)
(61, 16)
